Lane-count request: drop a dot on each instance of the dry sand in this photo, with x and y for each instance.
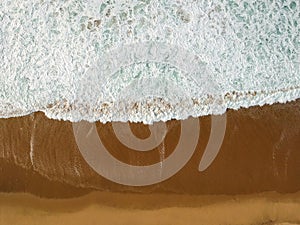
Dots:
(116, 208)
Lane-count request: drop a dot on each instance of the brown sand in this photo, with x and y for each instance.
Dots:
(260, 152)
(255, 178)
(115, 208)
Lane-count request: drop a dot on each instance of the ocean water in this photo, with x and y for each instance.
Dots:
(143, 60)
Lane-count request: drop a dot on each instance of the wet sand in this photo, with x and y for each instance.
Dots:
(260, 152)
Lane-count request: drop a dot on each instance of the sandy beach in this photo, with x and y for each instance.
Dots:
(254, 179)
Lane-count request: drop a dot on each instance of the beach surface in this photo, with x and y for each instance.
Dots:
(254, 179)
(260, 152)
(117, 208)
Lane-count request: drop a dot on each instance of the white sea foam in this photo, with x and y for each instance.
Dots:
(144, 60)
